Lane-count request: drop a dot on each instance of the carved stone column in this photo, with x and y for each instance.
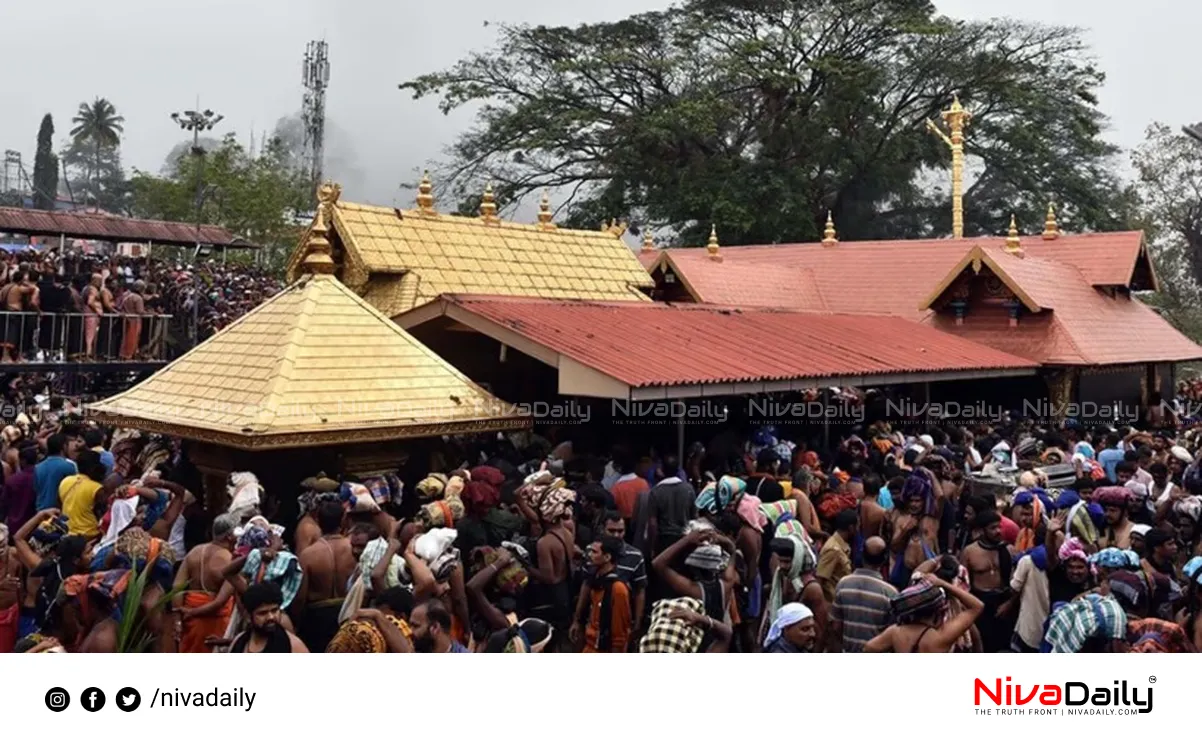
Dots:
(1061, 386)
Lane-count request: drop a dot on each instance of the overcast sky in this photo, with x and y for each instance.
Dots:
(243, 57)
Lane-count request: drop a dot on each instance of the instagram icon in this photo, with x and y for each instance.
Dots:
(57, 699)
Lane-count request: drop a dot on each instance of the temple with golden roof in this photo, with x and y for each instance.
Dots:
(399, 259)
(404, 324)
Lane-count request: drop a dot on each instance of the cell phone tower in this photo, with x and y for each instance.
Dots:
(316, 77)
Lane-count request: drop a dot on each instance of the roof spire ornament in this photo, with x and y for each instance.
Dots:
(1014, 245)
(648, 241)
(488, 207)
(544, 211)
(712, 246)
(829, 238)
(1051, 230)
(317, 250)
(425, 195)
(956, 118)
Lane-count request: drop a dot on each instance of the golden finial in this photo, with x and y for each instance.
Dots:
(648, 241)
(329, 193)
(544, 211)
(488, 206)
(614, 227)
(956, 118)
(828, 235)
(712, 246)
(1014, 246)
(317, 249)
(1051, 230)
(425, 195)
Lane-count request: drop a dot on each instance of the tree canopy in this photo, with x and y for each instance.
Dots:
(760, 115)
(252, 197)
(45, 167)
(1168, 169)
(98, 128)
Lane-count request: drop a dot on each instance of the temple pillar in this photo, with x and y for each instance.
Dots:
(1062, 385)
(215, 464)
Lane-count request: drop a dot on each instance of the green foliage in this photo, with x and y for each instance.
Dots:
(760, 115)
(99, 129)
(96, 177)
(132, 634)
(1169, 186)
(45, 167)
(253, 198)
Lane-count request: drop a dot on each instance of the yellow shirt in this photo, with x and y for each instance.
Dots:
(78, 496)
(834, 564)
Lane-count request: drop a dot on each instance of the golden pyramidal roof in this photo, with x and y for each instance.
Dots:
(399, 259)
(313, 365)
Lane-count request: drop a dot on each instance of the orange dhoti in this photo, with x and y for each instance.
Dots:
(193, 631)
(131, 337)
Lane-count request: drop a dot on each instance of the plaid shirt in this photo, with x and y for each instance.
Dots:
(672, 635)
(1088, 617)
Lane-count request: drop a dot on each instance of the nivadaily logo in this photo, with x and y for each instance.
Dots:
(1070, 697)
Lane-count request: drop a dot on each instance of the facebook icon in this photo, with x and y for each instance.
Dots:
(92, 699)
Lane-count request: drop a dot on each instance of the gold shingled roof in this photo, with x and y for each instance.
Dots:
(464, 255)
(313, 365)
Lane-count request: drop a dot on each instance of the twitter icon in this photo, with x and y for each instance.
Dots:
(128, 699)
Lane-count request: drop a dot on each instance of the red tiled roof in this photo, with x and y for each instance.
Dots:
(645, 344)
(112, 228)
(647, 257)
(1091, 326)
(1086, 325)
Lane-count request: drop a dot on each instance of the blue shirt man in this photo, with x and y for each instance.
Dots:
(49, 473)
(1109, 458)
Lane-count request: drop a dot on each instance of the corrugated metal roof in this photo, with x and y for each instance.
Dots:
(890, 276)
(113, 228)
(650, 344)
(1073, 276)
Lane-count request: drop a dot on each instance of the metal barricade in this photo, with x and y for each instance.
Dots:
(33, 337)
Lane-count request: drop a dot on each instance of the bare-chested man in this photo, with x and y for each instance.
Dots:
(989, 564)
(205, 600)
(327, 565)
(872, 517)
(1114, 501)
(18, 296)
(93, 309)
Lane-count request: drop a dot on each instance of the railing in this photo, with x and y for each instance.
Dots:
(31, 337)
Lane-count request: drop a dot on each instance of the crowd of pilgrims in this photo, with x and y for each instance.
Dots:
(113, 295)
(521, 544)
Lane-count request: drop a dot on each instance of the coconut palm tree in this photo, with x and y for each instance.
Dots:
(97, 124)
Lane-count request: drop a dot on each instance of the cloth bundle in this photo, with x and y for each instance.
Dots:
(920, 598)
(511, 580)
(435, 548)
(1088, 617)
(833, 503)
(245, 492)
(284, 571)
(445, 512)
(432, 486)
(715, 497)
(360, 580)
(666, 635)
(357, 498)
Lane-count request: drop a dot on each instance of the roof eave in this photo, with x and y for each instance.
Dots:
(307, 438)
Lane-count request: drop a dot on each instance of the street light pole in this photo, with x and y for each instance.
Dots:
(197, 122)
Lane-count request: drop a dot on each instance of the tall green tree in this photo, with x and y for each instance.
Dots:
(252, 197)
(1168, 170)
(45, 167)
(97, 125)
(760, 115)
